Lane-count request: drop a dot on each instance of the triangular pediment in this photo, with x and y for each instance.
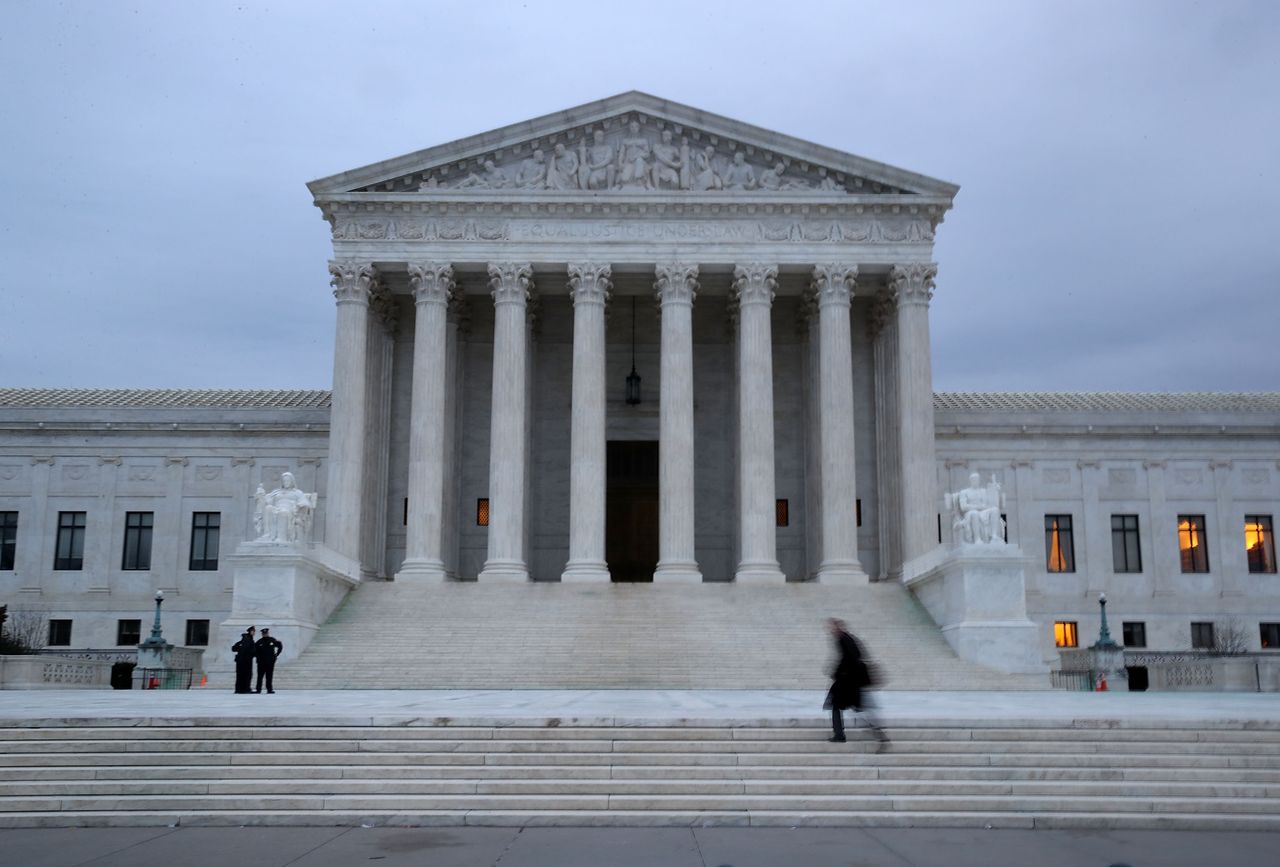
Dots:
(632, 143)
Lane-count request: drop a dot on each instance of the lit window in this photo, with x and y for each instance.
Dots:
(1126, 555)
(1269, 633)
(782, 513)
(1059, 548)
(1065, 633)
(69, 553)
(128, 632)
(1202, 636)
(1260, 543)
(1192, 543)
(1135, 633)
(482, 512)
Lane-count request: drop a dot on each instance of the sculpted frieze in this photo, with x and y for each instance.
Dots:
(632, 153)
(888, 230)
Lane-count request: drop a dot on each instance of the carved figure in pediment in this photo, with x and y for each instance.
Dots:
(633, 159)
(771, 179)
(562, 173)
(704, 170)
(597, 169)
(533, 172)
(739, 175)
(429, 184)
(493, 178)
(669, 164)
(828, 185)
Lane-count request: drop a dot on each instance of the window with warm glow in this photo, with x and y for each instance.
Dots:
(1260, 543)
(1192, 544)
(482, 512)
(1064, 633)
(1059, 548)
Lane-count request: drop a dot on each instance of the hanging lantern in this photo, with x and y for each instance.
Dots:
(633, 378)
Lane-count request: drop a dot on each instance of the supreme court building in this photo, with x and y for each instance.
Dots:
(631, 342)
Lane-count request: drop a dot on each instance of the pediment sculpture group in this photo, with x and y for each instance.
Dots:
(635, 162)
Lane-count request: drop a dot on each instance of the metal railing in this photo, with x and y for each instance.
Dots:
(1084, 680)
(165, 678)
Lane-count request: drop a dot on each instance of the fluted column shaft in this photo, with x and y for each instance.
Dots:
(911, 286)
(883, 331)
(510, 284)
(433, 286)
(754, 287)
(352, 282)
(589, 285)
(833, 285)
(676, 286)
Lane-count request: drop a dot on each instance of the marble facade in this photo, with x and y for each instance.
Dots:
(484, 331)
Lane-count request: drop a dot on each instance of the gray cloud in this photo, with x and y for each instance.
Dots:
(1113, 231)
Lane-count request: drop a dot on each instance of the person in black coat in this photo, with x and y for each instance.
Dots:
(266, 650)
(849, 680)
(244, 651)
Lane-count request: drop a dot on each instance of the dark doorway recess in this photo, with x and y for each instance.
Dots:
(631, 510)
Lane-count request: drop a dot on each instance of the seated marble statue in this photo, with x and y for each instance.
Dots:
(285, 514)
(976, 513)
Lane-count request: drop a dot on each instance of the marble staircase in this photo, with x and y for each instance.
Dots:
(996, 772)
(389, 635)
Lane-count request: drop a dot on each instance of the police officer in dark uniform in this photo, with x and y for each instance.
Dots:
(267, 649)
(244, 651)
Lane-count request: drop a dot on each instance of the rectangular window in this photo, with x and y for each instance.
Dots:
(1135, 633)
(69, 554)
(1193, 544)
(782, 513)
(205, 529)
(8, 539)
(137, 541)
(1260, 543)
(1270, 635)
(1202, 636)
(197, 633)
(59, 633)
(482, 512)
(1059, 549)
(1125, 554)
(128, 632)
(1065, 633)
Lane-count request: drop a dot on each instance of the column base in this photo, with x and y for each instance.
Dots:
(677, 572)
(841, 572)
(585, 572)
(765, 572)
(503, 572)
(422, 572)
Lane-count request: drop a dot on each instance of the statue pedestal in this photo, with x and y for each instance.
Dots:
(289, 588)
(977, 594)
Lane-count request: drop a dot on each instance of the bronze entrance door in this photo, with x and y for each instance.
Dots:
(631, 510)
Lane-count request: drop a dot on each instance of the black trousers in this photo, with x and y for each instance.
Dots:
(244, 674)
(266, 669)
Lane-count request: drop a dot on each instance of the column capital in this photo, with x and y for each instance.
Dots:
(677, 283)
(383, 306)
(352, 280)
(755, 283)
(912, 284)
(432, 282)
(833, 283)
(510, 282)
(590, 282)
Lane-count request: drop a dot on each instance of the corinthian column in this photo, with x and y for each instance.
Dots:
(911, 287)
(589, 288)
(833, 286)
(433, 286)
(676, 286)
(510, 283)
(753, 288)
(352, 282)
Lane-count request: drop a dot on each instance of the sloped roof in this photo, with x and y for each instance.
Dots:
(154, 398)
(960, 401)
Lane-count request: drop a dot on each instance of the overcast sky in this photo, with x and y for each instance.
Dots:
(1117, 226)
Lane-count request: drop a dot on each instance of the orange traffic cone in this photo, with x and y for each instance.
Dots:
(154, 684)
(1102, 683)
(204, 680)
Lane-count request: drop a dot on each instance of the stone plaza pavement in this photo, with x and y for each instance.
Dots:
(625, 847)
(618, 707)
